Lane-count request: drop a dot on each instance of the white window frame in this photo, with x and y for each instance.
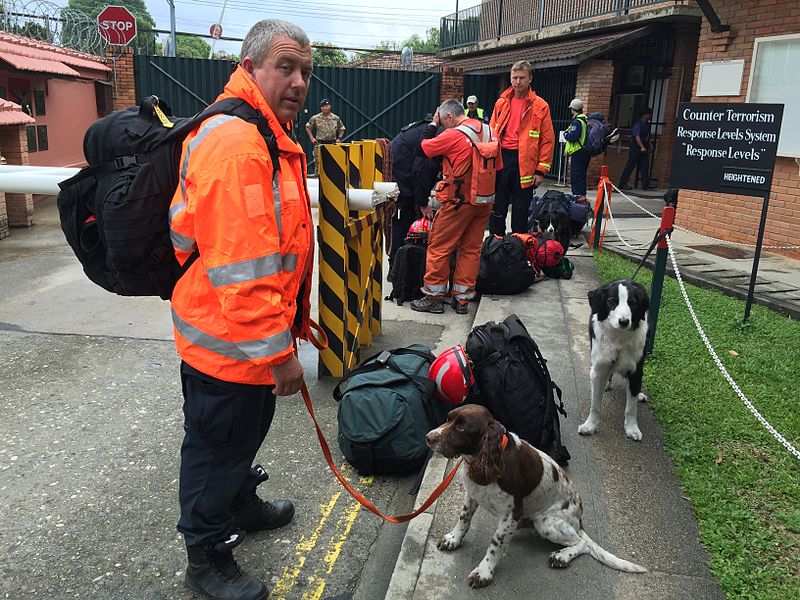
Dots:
(757, 41)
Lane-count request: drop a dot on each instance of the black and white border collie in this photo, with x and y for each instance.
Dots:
(618, 331)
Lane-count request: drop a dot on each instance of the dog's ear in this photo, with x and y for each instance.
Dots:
(642, 305)
(597, 299)
(487, 466)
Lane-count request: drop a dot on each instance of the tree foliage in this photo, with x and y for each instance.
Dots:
(191, 46)
(145, 41)
(429, 44)
(329, 56)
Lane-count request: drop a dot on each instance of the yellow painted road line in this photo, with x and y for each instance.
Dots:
(305, 546)
(334, 548)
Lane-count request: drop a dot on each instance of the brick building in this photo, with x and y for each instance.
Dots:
(621, 55)
(48, 98)
(758, 43)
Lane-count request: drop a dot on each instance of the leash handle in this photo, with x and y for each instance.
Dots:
(354, 492)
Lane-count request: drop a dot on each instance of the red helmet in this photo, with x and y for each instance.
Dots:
(418, 232)
(452, 374)
(549, 254)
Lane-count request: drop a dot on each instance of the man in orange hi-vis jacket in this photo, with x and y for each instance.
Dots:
(521, 120)
(241, 303)
(461, 220)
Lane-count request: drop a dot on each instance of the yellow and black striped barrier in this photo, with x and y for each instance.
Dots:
(350, 255)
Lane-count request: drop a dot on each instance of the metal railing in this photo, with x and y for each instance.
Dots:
(493, 19)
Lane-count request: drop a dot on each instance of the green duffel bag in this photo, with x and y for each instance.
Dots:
(386, 406)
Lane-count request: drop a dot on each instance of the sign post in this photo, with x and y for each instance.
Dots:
(116, 25)
(730, 149)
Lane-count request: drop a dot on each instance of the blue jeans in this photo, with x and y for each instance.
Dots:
(224, 426)
(579, 164)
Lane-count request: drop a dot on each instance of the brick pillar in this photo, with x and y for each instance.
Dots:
(679, 89)
(593, 85)
(124, 89)
(3, 217)
(452, 84)
(14, 145)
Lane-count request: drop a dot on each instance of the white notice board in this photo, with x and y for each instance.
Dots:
(720, 78)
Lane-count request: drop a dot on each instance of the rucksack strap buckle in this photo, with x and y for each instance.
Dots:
(383, 357)
(125, 162)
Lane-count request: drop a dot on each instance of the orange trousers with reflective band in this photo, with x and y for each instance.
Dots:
(455, 226)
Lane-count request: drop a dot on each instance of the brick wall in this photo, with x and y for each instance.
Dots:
(736, 218)
(452, 84)
(14, 145)
(593, 85)
(124, 90)
(3, 217)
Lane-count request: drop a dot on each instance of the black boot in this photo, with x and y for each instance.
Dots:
(213, 573)
(251, 513)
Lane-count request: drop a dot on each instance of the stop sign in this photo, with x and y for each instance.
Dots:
(117, 25)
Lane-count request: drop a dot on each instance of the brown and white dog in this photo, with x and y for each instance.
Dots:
(517, 483)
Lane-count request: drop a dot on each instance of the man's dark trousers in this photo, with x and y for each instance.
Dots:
(641, 162)
(224, 424)
(406, 215)
(579, 164)
(508, 192)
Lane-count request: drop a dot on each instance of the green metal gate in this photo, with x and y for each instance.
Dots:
(372, 103)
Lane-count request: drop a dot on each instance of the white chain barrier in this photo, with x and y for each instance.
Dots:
(783, 441)
(708, 237)
(607, 202)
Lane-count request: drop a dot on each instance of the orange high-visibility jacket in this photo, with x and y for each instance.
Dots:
(235, 310)
(536, 136)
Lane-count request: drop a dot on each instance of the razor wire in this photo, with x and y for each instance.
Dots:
(774, 432)
(743, 245)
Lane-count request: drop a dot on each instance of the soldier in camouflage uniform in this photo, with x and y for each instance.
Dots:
(325, 127)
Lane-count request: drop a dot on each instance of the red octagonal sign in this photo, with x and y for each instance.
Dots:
(117, 25)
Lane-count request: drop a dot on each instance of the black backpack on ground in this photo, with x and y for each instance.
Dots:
(407, 273)
(512, 381)
(556, 201)
(504, 267)
(386, 406)
(114, 213)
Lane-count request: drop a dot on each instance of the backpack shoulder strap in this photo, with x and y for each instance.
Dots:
(243, 110)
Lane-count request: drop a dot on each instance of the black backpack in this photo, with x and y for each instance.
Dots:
(512, 381)
(504, 266)
(574, 213)
(408, 271)
(114, 213)
(386, 407)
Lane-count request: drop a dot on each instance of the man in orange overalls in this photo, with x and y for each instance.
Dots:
(461, 220)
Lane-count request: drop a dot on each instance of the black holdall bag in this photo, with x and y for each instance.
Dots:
(512, 381)
(386, 407)
(504, 267)
(114, 213)
(408, 272)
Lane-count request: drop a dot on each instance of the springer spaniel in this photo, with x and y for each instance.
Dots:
(517, 483)
(618, 333)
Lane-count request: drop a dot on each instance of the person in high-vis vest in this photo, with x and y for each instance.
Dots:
(474, 111)
(576, 148)
(521, 120)
(241, 304)
(462, 218)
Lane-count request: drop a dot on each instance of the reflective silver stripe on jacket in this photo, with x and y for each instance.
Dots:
(181, 242)
(207, 127)
(434, 290)
(248, 270)
(243, 351)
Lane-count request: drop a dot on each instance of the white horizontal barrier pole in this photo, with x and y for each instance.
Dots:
(26, 179)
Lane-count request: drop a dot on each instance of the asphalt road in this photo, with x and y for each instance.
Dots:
(90, 435)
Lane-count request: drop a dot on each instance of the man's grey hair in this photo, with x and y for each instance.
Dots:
(522, 65)
(454, 107)
(258, 40)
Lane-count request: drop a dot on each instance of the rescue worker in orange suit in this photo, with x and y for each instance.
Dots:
(461, 220)
(521, 120)
(241, 303)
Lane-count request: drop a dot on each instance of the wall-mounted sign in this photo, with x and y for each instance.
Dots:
(726, 147)
(720, 78)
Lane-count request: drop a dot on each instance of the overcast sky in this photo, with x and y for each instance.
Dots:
(355, 23)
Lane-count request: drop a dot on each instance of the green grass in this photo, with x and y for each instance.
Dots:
(748, 505)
